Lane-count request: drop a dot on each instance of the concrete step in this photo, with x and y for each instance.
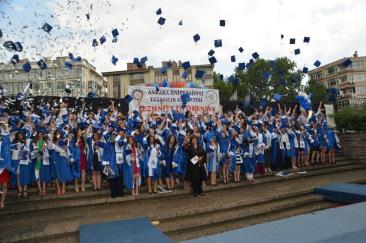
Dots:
(284, 212)
(51, 190)
(33, 203)
(175, 225)
(58, 223)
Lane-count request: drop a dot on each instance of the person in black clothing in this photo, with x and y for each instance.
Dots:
(195, 171)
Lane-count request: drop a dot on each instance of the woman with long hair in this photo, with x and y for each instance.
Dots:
(169, 151)
(132, 165)
(79, 144)
(152, 162)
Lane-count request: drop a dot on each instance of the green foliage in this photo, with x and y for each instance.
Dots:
(226, 89)
(318, 91)
(351, 119)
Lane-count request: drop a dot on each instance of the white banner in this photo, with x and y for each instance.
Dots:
(329, 113)
(148, 100)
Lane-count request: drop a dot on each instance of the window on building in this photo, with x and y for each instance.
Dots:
(317, 75)
(116, 89)
(331, 70)
(343, 79)
(135, 76)
(49, 73)
(176, 76)
(360, 90)
(331, 82)
(359, 77)
(116, 78)
(60, 86)
(356, 65)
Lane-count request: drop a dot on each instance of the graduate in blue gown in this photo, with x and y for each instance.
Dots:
(152, 163)
(5, 162)
(169, 165)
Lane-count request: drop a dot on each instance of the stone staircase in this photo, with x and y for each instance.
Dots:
(56, 218)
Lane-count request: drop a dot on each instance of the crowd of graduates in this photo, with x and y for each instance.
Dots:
(49, 147)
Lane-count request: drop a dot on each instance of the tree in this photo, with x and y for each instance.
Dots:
(226, 89)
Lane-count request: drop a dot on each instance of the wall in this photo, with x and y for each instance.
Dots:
(354, 145)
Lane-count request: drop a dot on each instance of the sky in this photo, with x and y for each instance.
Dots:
(336, 29)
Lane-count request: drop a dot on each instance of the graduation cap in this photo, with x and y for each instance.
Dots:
(305, 70)
(87, 16)
(200, 74)
(185, 75)
(15, 59)
(161, 21)
(211, 52)
(114, 60)
(47, 27)
(9, 45)
(186, 65)
(317, 63)
(241, 66)
(95, 43)
(71, 56)
(128, 99)
(67, 89)
(91, 95)
(102, 40)
(42, 64)
(164, 69)
(222, 23)
(27, 67)
(277, 97)
(263, 103)
(297, 51)
(158, 12)
(68, 65)
(306, 39)
(185, 98)
(1, 34)
(221, 77)
(166, 83)
(292, 41)
(241, 49)
(18, 46)
(143, 60)
(272, 64)
(218, 43)
(196, 37)
(234, 80)
(77, 59)
(115, 33)
(212, 60)
(233, 59)
(332, 94)
(180, 23)
(347, 62)
(255, 55)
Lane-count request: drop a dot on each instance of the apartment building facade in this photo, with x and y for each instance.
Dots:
(82, 78)
(350, 81)
(119, 81)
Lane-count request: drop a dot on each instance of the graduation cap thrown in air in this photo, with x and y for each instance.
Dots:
(200, 74)
(306, 39)
(185, 75)
(128, 99)
(211, 52)
(347, 62)
(196, 37)
(143, 60)
(67, 89)
(241, 49)
(161, 21)
(222, 23)
(233, 59)
(42, 64)
(212, 60)
(164, 69)
(305, 70)
(317, 63)
(218, 43)
(115, 33)
(277, 97)
(9, 45)
(18, 46)
(47, 27)
(292, 41)
(282, 36)
(114, 60)
(297, 51)
(186, 65)
(255, 55)
(15, 59)
(234, 80)
(241, 66)
(158, 12)
(95, 43)
(102, 40)
(180, 23)
(27, 67)
(68, 65)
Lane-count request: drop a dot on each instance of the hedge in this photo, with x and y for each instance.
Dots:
(351, 119)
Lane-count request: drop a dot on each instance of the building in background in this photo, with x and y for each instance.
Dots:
(52, 81)
(119, 81)
(349, 81)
